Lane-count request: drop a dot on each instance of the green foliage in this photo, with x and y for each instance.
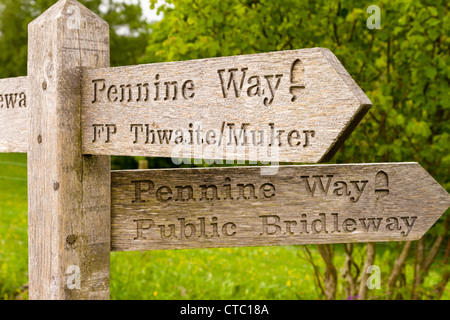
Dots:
(129, 48)
(15, 15)
(402, 67)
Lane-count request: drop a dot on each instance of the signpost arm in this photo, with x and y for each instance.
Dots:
(68, 193)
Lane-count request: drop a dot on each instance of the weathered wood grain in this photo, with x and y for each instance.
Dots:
(68, 193)
(13, 115)
(297, 106)
(153, 210)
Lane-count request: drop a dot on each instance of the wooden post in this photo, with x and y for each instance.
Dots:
(143, 164)
(68, 193)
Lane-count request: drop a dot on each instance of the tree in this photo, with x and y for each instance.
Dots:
(403, 68)
(129, 32)
(15, 15)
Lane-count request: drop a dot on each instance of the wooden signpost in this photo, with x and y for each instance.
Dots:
(237, 207)
(72, 112)
(68, 192)
(289, 106)
(297, 106)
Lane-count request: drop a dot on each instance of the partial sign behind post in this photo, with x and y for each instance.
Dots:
(13, 115)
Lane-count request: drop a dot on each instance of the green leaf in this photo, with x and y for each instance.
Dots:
(433, 11)
(433, 33)
(430, 72)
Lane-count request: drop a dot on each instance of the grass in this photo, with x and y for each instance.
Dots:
(261, 273)
(236, 273)
(13, 225)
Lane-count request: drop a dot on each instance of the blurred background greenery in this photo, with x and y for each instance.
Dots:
(404, 69)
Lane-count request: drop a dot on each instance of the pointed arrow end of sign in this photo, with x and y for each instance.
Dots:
(435, 200)
(436, 193)
(364, 101)
(345, 133)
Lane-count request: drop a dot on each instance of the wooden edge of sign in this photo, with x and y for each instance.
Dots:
(18, 150)
(414, 163)
(17, 79)
(346, 77)
(257, 245)
(423, 193)
(365, 104)
(352, 124)
(93, 72)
